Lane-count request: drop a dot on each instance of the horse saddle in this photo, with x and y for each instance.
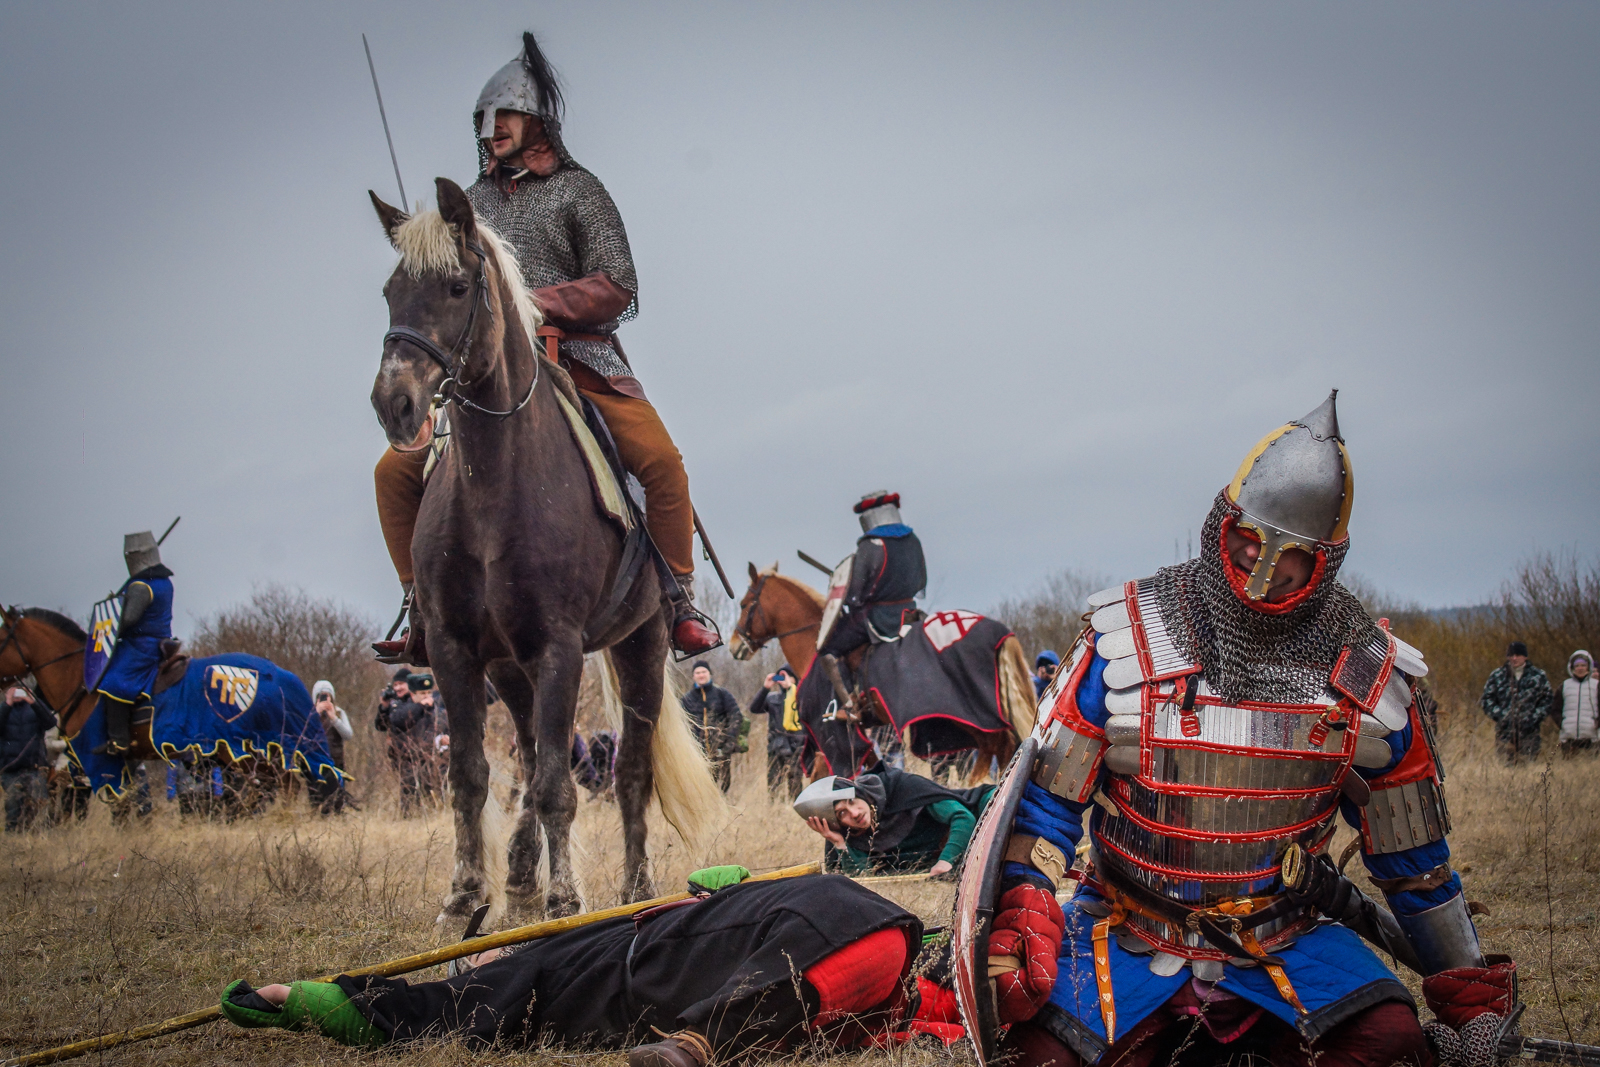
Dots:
(174, 665)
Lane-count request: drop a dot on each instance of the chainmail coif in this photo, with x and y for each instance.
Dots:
(1246, 654)
(562, 228)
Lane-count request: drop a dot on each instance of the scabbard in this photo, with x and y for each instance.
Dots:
(1315, 881)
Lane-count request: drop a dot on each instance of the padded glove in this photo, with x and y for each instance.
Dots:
(1461, 994)
(1024, 945)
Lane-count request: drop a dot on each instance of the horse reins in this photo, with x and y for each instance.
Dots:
(743, 633)
(77, 694)
(454, 361)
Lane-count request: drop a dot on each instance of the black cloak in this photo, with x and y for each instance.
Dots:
(727, 966)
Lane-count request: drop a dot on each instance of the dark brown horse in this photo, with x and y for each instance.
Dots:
(515, 563)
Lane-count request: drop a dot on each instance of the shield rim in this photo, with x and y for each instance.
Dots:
(981, 1016)
(833, 605)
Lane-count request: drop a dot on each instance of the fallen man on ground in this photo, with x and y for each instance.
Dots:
(739, 967)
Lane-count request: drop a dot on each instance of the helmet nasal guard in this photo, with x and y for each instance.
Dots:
(1294, 490)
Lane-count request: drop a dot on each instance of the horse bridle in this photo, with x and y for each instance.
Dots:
(454, 361)
(12, 617)
(743, 633)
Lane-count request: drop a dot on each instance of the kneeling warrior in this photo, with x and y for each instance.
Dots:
(574, 254)
(762, 965)
(130, 679)
(1212, 723)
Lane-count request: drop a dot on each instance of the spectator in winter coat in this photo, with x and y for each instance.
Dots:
(1517, 697)
(1045, 665)
(714, 719)
(418, 739)
(1576, 707)
(24, 763)
(778, 700)
(329, 797)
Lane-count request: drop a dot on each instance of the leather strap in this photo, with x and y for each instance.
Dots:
(1040, 854)
(554, 335)
(1415, 883)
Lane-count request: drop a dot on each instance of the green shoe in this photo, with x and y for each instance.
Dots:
(243, 1014)
(324, 1007)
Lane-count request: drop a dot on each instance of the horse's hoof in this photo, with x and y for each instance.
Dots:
(460, 905)
(644, 888)
(562, 903)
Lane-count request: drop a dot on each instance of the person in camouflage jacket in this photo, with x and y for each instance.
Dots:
(1517, 697)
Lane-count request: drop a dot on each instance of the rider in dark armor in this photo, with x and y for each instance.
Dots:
(125, 689)
(573, 251)
(889, 573)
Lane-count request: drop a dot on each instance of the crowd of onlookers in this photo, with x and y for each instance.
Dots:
(1519, 697)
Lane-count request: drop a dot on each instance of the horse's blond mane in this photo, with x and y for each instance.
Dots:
(797, 585)
(428, 244)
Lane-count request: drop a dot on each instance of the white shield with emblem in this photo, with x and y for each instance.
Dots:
(838, 586)
(105, 619)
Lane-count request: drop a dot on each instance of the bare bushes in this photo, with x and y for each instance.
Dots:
(1551, 602)
(1052, 615)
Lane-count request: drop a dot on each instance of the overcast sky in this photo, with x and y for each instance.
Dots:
(1047, 270)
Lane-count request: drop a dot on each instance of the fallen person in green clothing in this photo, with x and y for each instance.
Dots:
(890, 822)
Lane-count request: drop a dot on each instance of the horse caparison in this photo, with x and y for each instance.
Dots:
(514, 563)
(778, 607)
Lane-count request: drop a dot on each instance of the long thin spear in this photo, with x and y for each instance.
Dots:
(384, 115)
(403, 965)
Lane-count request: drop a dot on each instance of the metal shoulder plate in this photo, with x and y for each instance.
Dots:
(977, 891)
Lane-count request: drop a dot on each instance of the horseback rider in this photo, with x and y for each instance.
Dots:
(125, 689)
(573, 251)
(888, 575)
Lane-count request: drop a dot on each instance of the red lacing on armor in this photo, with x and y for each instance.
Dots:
(1124, 806)
(1236, 581)
(859, 977)
(1186, 875)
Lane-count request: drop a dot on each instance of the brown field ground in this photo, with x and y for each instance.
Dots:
(108, 928)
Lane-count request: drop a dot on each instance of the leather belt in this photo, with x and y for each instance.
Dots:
(554, 335)
(1221, 926)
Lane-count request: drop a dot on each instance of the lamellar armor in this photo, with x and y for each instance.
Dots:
(1210, 730)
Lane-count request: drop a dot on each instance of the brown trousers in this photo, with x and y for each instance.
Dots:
(643, 444)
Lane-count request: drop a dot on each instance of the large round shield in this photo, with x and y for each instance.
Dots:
(838, 586)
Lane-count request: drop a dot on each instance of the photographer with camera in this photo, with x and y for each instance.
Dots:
(778, 699)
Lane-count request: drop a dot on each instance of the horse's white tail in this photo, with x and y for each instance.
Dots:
(610, 698)
(494, 827)
(1016, 688)
(689, 797)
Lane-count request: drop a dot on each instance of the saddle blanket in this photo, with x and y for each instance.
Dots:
(225, 707)
(941, 680)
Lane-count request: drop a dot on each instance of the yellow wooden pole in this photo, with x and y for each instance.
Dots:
(403, 965)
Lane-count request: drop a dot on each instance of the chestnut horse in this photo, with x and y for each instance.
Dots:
(49, 646)
(515, 563)
(777, 607)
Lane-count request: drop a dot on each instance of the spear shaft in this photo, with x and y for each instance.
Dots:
(405, 205)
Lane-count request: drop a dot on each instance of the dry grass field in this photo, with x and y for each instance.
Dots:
(107, 927)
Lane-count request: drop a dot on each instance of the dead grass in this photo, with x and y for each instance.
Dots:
(111, 928)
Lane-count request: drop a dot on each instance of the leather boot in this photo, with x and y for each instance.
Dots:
(119, 730)
(411, 646)
(847, 704)
(692, 632)
(682, 1049)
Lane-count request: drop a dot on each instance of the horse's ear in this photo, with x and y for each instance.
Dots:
(755, 575)
(455, 207)
(774, 566)
(391, 217)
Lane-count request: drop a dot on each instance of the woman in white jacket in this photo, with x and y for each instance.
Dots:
(1577, 705)
(329, 797)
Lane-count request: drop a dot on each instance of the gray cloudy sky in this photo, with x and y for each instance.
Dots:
(1048, 270)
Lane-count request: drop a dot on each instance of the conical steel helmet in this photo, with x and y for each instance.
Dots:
(1294, 490)
(526, 84)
